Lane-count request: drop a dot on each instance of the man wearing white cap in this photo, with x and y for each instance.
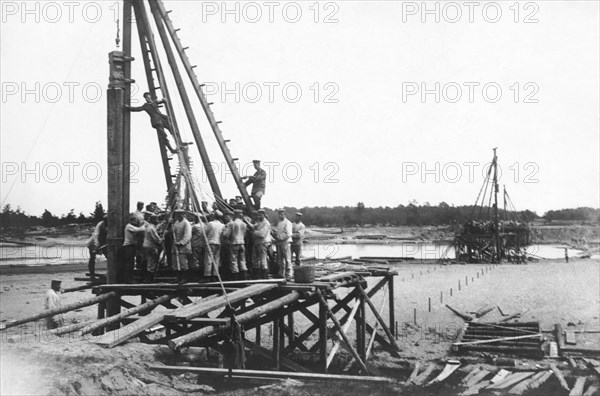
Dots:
(258, 181)
(298, 230)
(283, 239)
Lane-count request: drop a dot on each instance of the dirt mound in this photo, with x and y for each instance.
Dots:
(82, 368)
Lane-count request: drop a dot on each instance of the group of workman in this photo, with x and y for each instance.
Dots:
(203, 246)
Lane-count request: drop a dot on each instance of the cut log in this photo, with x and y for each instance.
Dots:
(511, 380)
(560, 377)
(497, 340)
(446, 372)
(484, 310)
(421, 378)
(69, 328)
(205, 306)
(578, 387)
(539, 381)
(274, 374)
(413, 375)
(464, 316)
(117, 318)
(57, 311)
(118, 336)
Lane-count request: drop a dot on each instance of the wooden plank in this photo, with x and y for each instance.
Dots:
(345, 328)
(558, 335)
(414, 374)
(203, 307)
(559, 376)
(476, 378)
(511, 380)
(570, 337)
(275, 374)
(446, 372)
(131, 311)
(63, 309)
(421, 378)
(497, 340)
(500, 375)
(592, 390)
(523, 386)
(118, 336)
(578, 387)
(470, 375)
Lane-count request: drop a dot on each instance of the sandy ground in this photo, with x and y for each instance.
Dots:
(548, 291)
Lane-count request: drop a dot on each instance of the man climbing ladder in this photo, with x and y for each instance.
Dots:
(159, 121)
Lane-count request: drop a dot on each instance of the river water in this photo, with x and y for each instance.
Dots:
(39, 255)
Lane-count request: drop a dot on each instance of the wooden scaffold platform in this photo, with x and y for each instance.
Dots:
(326, 307)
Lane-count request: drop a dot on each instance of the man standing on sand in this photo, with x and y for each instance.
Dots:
(298, 230)
(567, 255)
(283, 239)
(258, 181)
(97, 244)
(51, 302)
(159, 121)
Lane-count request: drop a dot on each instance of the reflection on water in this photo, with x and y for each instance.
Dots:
(65, 254)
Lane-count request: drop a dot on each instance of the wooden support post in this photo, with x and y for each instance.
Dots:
(276, 343)
(323, 308)
(101, 315)
(379, 319)
(338, 327)
(392, 313)
(361, 330)
(257, 341)
(291, 334)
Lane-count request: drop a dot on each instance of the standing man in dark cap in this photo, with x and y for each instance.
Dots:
(51, 302)
(298, 230)
(258, 181)
(159, 121)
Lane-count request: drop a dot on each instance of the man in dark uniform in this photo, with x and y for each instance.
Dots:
(159, 121)
(258, 181)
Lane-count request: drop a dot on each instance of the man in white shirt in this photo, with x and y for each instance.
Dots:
(283, 239)
(298, 230)
(237, 247)
(51, 302)
(182, 245)
(212, 260)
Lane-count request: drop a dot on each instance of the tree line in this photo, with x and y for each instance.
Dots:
(413, 214)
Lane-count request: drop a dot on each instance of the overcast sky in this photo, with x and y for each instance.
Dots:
(379, 102)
